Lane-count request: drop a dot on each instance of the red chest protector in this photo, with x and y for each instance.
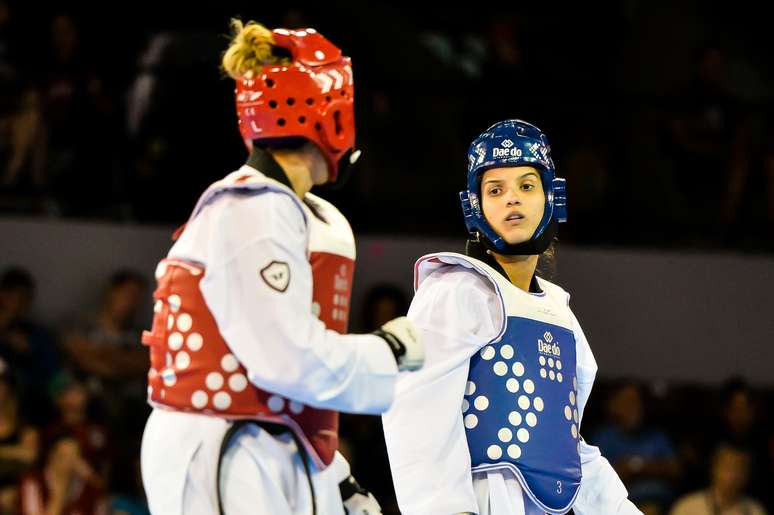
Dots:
(192, 367)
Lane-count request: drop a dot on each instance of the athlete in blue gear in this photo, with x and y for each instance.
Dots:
(491, 425)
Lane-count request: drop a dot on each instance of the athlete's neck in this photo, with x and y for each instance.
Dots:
(297, 168)
(520, 269)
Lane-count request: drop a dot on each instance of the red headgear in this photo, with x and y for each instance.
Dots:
(312, 97)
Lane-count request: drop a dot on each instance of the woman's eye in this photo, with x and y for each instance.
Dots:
(494, 191)
(527, 187)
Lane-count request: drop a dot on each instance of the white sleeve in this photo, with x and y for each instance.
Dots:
(456, 312)
(601, 490)
(283, 346)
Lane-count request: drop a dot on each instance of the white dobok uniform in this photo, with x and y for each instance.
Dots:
(252, 245)
(460, 307)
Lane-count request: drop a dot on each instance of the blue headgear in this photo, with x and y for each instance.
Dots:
(513, 143)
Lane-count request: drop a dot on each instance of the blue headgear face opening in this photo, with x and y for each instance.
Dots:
(511, 143)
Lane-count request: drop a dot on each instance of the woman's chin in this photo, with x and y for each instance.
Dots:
(515, 238)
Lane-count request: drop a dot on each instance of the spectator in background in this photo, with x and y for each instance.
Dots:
(107, 347)
(72, 399)
(77, 139)
(740, 425)
(65, 484)
(643, 457)
(107, 344)
(708, 139)
(18, 443)
(158, 107)
(725, 495)
(27, 347)
(587, 167)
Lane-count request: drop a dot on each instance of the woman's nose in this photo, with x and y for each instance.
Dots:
(513, 198)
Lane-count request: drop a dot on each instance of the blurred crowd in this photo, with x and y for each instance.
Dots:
(72, 411)
(661, 116)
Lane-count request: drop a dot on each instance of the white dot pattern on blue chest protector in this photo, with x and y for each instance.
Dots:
(529, 386)
(494, 452)
(522, 408)
(470, 388)
(488, 352)
(512, 385)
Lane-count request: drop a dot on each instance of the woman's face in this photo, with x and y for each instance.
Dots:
(513, 201)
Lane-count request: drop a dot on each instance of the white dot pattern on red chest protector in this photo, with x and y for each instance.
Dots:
(276, 403)
(182, 360)
(214, 381)
(174, 303)
(221, 401)
(175, 341)
(199, 399)
(184, 322)
(169, 377)
(237, 383)
(194, 342)
(229, 363)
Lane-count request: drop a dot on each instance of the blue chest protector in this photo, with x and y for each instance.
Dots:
(520, 407)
